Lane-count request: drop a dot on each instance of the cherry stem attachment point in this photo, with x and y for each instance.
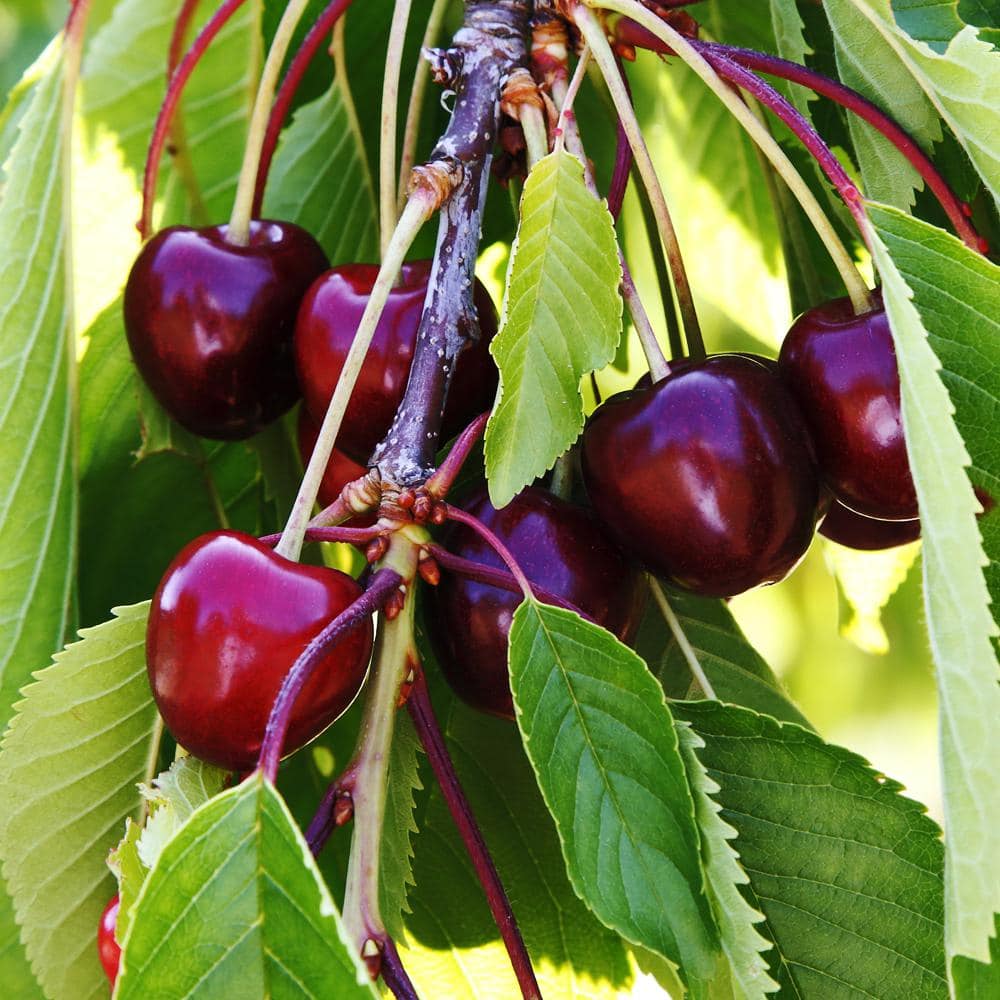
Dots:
(677, 630)
(442, 480)
(311, 44)
(387, 197)
(425, 722)
(381, 586)
(238, 232)
(419, 208)
(453, 513)
(175, 89)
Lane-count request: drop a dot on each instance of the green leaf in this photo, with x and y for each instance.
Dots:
(398, 829)
(741, 941)
(320, 180)
(454, 948)
(562, 318)
(789, 34)
(962, 84)
(935, 22)
(128, 869)
(85, 734)
(15, 972)
(264, 924)
(601, 739)
(38, 496)
(846, 870)
(737, 672)
(956, 599)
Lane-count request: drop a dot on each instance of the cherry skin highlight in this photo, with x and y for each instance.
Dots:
(324, 332)
(563, 549)
(867, 534)
(210, 323)
(108, 949)
(228, 621)
(707, 477)
(842, 370)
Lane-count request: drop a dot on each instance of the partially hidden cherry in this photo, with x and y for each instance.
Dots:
(228, 621)
(842, 369)
(708, 477)
(340, 470)
(210, 323)
(868, 534)
(563, 549)
(324, 332)
(108, 949)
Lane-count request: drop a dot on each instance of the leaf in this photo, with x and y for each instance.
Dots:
(264, 923)
(789, 34)
(320, 180)
(962, 84)
(454, 947)
(38, 497)
(737, 672)
(128, 869)
(600, 737)
(741, 942)
(956, 599)
(866, 581)
(561, 320)
(846, 870)
(84, 735)
(935, 22)
(398, 829)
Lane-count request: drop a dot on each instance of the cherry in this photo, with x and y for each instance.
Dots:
(228, 621)
(708, 477)
(856, 531)
(563, 549)
(324, 332)
(108, 949)
(210, 323)
(842, 370)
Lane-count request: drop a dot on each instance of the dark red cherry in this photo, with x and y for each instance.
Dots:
(856, 531)
(228, 621)
(842, 370)
(210, 323)
(108, 948)
(563, 549)
(324, 333)
(340, 470)
(708, 477)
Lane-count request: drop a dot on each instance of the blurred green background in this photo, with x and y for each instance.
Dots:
(862, 676)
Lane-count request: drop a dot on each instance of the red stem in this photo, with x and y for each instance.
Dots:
(623, 160)
(393, 974)
(425, 722)
(289, 86)
(355, 536)
(175, 88)
(956, 209)
(181, 25)
(382, 585)
(441, 482)
(463, 517)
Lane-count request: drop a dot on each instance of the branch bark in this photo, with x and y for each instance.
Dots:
(490, 44)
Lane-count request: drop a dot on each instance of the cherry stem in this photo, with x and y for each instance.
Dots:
(422, 76)
(311, 44)
(419, 208)
(387, 197)
(355, 536)
(620, 174)
(425, 722)
(594, 35)
(566, 95)
(954, 207)
(536, 133)
(238, 231)
(393, 974)
(690, 657)
(381, 586)
(443, 479)
(177, 36)
(493, 577)
(175, 89)
(758, 131)
(324, 822)
(453, 513)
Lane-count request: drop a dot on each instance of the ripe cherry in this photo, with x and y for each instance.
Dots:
(856, 531)
(210, 323)
(324, 332)
(563, 549)
(227, 623)
(108, 949)
(708, 477)
(842, 370)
